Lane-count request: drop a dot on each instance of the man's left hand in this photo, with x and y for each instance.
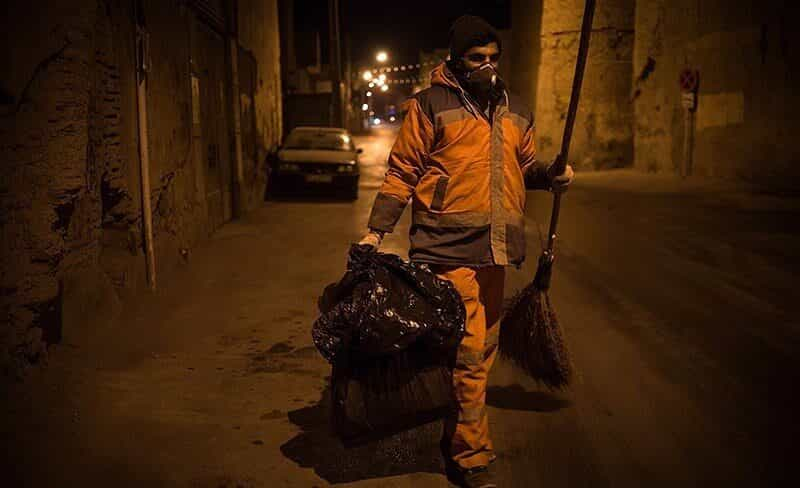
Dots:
(560, 183)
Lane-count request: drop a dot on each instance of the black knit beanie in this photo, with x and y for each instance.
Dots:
(469, 31)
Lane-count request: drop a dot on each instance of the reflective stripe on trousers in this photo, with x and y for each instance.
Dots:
(466, 438)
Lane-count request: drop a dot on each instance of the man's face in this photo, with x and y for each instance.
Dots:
(480, 55)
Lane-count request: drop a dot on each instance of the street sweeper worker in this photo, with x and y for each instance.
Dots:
(464, 157)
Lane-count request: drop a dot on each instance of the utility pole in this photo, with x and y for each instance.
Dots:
(335, 62)
(235, 117)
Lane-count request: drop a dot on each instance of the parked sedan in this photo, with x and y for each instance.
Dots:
(316, 157)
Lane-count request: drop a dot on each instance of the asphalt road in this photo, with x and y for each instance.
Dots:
(677, 299)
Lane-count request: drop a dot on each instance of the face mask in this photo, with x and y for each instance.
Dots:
(484, 81)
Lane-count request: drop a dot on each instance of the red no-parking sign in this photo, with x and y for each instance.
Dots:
(689, 79)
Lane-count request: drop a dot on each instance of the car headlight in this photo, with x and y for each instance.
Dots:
(289, 167)
(346, 168)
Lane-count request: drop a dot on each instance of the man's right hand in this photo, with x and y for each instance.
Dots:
(373, 239)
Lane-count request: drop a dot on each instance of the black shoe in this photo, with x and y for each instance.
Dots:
(477, 477)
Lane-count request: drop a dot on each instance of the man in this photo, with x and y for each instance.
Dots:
(465, 156)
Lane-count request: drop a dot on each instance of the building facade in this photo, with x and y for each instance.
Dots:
(74, 124)
(632, 111)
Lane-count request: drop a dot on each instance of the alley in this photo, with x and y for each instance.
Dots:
(676, 301)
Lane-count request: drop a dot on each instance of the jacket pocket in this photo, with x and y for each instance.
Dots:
(438, 193)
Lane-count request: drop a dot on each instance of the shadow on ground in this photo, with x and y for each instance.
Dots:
(412, 451)
(515, 397)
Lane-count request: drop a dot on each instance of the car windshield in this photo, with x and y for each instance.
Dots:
(326, 141)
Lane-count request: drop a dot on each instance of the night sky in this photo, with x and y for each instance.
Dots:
(402, 28)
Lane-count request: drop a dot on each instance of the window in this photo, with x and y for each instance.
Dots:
(325, 141)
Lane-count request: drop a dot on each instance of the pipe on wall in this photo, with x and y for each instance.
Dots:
(144, 153)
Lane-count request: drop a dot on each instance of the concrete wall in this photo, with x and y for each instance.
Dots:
(746, 53)
(602, 136)
(70, 227)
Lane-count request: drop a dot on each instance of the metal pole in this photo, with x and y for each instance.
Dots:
(236, 118)
(686, 134)
(144, 153)
(335, 61)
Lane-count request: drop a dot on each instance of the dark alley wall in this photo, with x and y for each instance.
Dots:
(546, 35)
(70, 181)
(630, 108)
(747, 106)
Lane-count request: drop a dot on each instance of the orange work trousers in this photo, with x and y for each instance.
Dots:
(466, 437)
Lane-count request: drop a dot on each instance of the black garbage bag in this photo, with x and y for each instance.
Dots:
(390, 329)
(384, 304)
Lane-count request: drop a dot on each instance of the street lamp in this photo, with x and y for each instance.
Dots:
(381, 57)
(385, 88)
(367, 75)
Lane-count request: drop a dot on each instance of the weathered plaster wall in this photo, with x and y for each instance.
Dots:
(602, 137)
(70, 227)
(747, 104)
(259, 34)
(179, 211)
(51, 181)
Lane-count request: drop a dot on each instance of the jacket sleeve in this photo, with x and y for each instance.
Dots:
(534, 171)
(406, 166)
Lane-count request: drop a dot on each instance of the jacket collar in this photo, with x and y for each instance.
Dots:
(443, 76)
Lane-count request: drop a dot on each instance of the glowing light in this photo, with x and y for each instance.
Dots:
(392, 118)
(382, 77)
(364, 107)
(381, 57)
(369, 93)
(385, 88)
(367, 75)
(376, 121)
(371, 84)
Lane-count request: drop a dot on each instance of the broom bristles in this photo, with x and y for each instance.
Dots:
(531, 338)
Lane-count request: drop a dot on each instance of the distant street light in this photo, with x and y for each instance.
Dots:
(367, 75)
(369, 93)
(371, 84)
(382, 77)
(385, 88)
(365, 107)
(381, 57)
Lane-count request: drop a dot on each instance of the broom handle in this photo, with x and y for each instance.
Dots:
(560, 163)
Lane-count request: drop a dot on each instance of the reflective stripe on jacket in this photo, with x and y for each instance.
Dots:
(467, 176)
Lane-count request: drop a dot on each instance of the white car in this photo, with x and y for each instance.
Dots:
(315, 157)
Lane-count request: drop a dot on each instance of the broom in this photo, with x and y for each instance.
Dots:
(529, 332)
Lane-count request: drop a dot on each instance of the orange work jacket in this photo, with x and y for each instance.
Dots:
(466, 175)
